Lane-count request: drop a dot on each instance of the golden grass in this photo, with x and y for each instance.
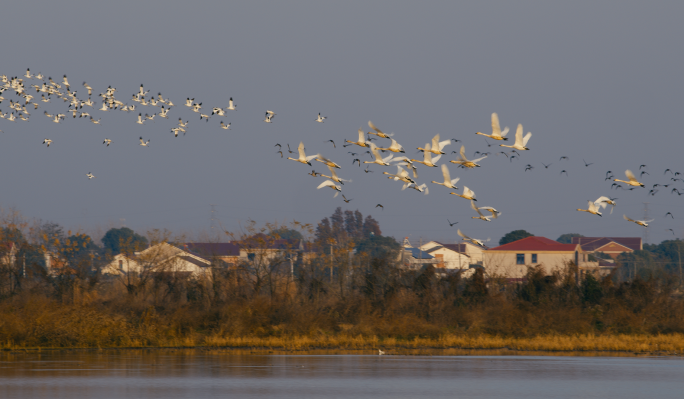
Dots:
(639, 344)
(555, 343)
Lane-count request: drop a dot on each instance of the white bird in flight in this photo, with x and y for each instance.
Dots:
(402, 175)
(632, 180)
(144, 143)
(497, 133)
(473, 240)
(592, 208)
(107, 141)
(231, 105)
(302, 155)
(465, 162)
(448, 181)
(520, 141)
(436, 146)
(224, 126)
(378, 159)
(331, 164)
(378, 132)
(467, 194)
(604, 201)
(394, 147)
(643, 223)
(331, 184)
(321, 118)
(90, 175)
(47, 141)
(334, 176)
(362, 140)
(428, 159)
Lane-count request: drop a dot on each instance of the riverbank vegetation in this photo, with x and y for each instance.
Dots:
(341, 300)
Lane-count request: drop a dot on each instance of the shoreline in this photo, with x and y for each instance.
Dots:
(449, 345)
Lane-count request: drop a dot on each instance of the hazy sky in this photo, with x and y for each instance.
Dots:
(599, 81)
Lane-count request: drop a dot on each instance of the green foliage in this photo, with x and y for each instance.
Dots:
(378, 246)
(591, 289)
(346, 227)
(567, 238)
(284, 233)
(514, 235)
(123, 239)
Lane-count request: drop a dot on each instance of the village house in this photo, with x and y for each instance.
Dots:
(513, 259)
(454, 256)
(159, 258)
(226, 252)
(612, 246)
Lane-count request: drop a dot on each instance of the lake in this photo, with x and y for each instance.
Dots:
(244, 374)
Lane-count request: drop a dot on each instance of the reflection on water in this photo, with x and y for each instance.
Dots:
(210, 374)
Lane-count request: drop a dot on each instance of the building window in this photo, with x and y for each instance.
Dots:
(251, 256)
(120, 265)
(534, 258)
(520, 259)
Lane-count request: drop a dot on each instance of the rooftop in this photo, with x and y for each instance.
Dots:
(535, 244)
(592, 243)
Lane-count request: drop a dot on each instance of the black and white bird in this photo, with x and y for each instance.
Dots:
(321, 118)
(90, 175)
(231, 105)
(47, 141)
(107, 141)
(144, 143)
(224, 126)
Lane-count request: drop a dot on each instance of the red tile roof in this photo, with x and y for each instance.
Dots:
(535, 244)
(592, 243)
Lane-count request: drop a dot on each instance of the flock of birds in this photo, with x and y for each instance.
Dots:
(406, 167)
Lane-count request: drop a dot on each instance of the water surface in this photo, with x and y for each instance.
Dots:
(206, 374)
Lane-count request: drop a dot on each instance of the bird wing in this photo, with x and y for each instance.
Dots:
(496, 128)
(526, 138)
(630, 176)
(435, 158)
(627, 219)
(387, 159)
(445, 173)
(362, 136)
(465, 237)
(495, 213)
(478, 159)
(327, 183)
(472, 205)
(519, 135)
(442, 144)
(435, 141)
(401, 172)
(462, 154)
(468, 192)
(332, 171)
(372, 126)
(592, 207)
(302, 153)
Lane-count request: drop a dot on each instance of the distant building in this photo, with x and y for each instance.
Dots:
(612, 246)
(159, 258)
(454, 256)
(513, 259)
(414, 258)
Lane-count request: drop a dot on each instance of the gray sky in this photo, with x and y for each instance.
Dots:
(599, 81)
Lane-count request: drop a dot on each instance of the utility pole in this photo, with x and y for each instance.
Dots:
(331, 262)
